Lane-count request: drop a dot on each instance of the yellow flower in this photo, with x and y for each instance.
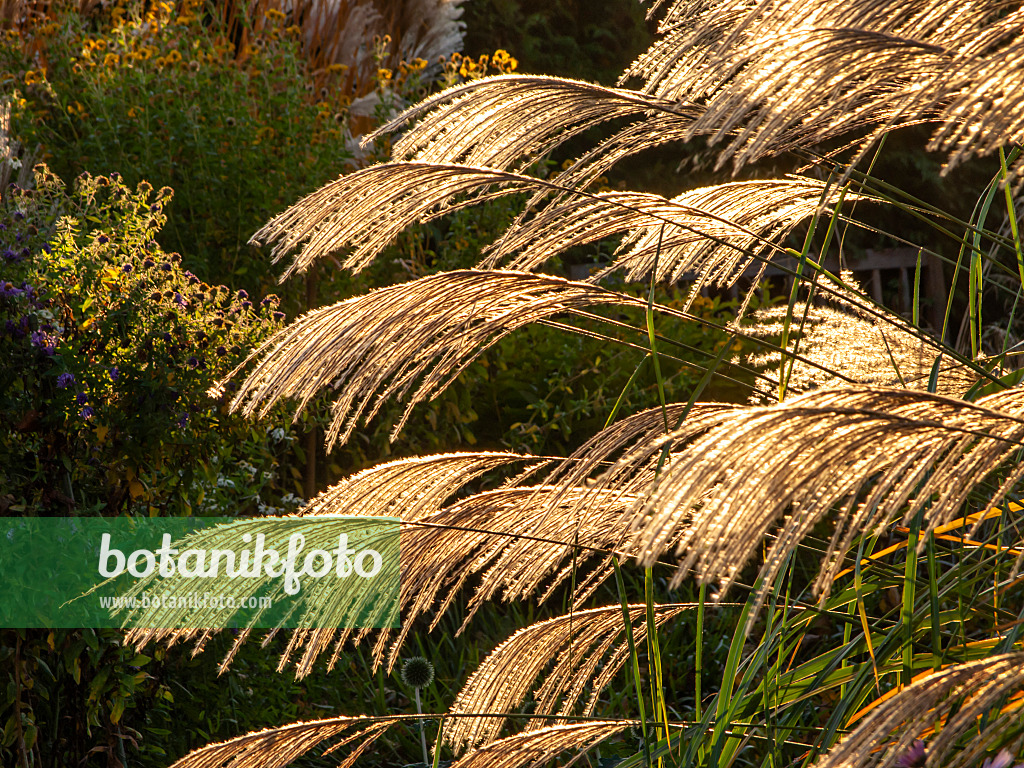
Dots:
(111, 60)
(337, 68)
(294, 29)
(384, 74)
(419, 63)
(173, 57)
(503, 61)
(274, 15)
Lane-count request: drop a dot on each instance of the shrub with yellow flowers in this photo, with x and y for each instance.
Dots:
(237, 125)
(110, 346)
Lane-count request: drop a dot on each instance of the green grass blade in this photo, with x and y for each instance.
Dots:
(633, 657)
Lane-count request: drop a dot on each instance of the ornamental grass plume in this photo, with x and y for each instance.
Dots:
(864, 513)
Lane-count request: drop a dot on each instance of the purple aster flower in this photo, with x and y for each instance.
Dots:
(221, 351)
(148, 263)
(10, 255)
(243, 295)
(127, 268)
(179, 299)
(65, 379)
(44, 341)
(278, 315)
(87, 412)
(182, 420)
(81, 398)
(246, 304)
(18, 215)
(192, 362)
(102, 239)
(913, 757)
(46, 247)
(114, 373)
(165, 266)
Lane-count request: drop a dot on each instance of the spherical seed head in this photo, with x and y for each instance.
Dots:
(417, 672)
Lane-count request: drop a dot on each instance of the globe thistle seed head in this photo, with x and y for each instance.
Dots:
(417, 672)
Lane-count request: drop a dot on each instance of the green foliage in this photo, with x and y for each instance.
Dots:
(78, 694)
(168, 97)
(594, 41)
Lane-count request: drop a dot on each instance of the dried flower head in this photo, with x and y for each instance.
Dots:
(417, 672)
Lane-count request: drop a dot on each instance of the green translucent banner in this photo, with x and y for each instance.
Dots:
(183, 573)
